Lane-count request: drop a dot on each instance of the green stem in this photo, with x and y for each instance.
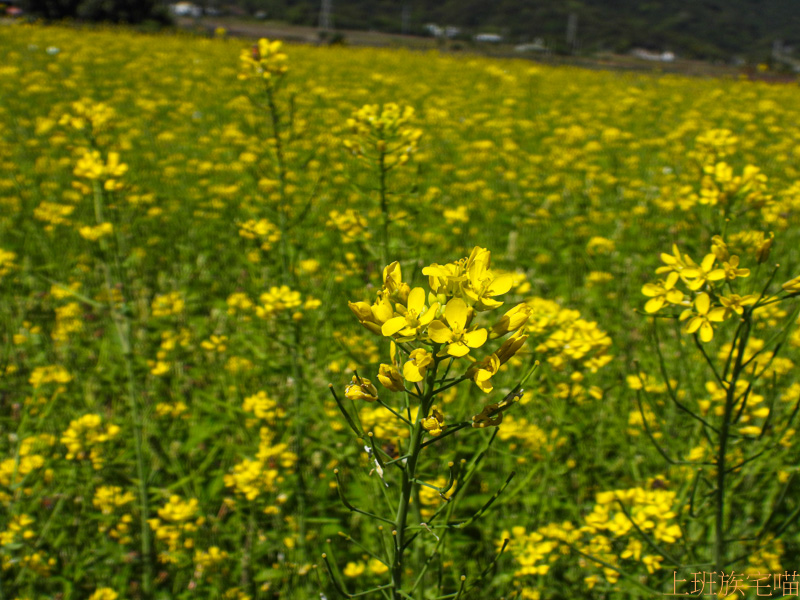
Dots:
(407, 488)
(122, 326)
(384, 211)
(719, 527)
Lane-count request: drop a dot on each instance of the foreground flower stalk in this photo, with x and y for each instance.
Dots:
(431, 334)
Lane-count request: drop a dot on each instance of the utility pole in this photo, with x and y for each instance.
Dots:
(325, 15)
(572, 32)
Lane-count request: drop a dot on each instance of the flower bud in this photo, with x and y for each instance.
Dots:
(360, 388)
(762, 252)
(793, 285)
(391, 378)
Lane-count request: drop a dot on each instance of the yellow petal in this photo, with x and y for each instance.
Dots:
(500, 285)
(456, 313)
(458, 349)
(416, 300)
(702, 304)
(392, 326)
(439, 332)
(476, 339)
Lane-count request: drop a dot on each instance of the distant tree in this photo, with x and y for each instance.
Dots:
(115, 11)
(52, 9)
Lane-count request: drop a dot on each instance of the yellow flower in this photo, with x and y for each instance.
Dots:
(483, 372)
(360, 388)
(434, 424)
(377, 567)
(414, 370)
(413, 318)
(661, 293)
(391, 378)
(512, 320)
(736, 303)
(762, 252)
(354, 569)
(455, 334)
(483, 285)
(732, 270)
(793, 285)
(704, 315)
(705, 272)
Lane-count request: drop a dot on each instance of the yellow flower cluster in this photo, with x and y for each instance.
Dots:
(350, 224)
(262, 230)
(69, 320)
(176, 524)
(566, 338)
(382, 134)
(91, 166)
(444, 318)
(53, 214)
(264, 60)
(95, 232)
(283, 299)
(707, 302)
(252, 478)
(109, 497)
(165, 305)
(88, 115)
(104, 594)
(49, 374)
(263, 407)
(7, 259)
(85, 437)
(612, 532)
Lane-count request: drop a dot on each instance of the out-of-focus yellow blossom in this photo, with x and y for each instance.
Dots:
(262, 230)
(85, 436)
(792, 286)
(350, 224)
(166, 305)
(88, 115)
(264, 60)
(7, 259)
(600, 245)
(92, 166)
(49, 374)
(376, 567)
(381, 133)
(109, 497)
(354, 569)
(95, 232)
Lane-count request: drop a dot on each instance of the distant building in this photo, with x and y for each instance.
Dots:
(441, 32)
(654, 56)
(489, 38)
(186, 9)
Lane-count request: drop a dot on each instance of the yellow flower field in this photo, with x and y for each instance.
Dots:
(282, 321)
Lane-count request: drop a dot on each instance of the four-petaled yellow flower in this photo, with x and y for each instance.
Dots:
(736, 303)
(661, 293)
(414, 370)
(703, 273)
(455, 334)
(732, 270)
(413, 317)
(702, 317)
